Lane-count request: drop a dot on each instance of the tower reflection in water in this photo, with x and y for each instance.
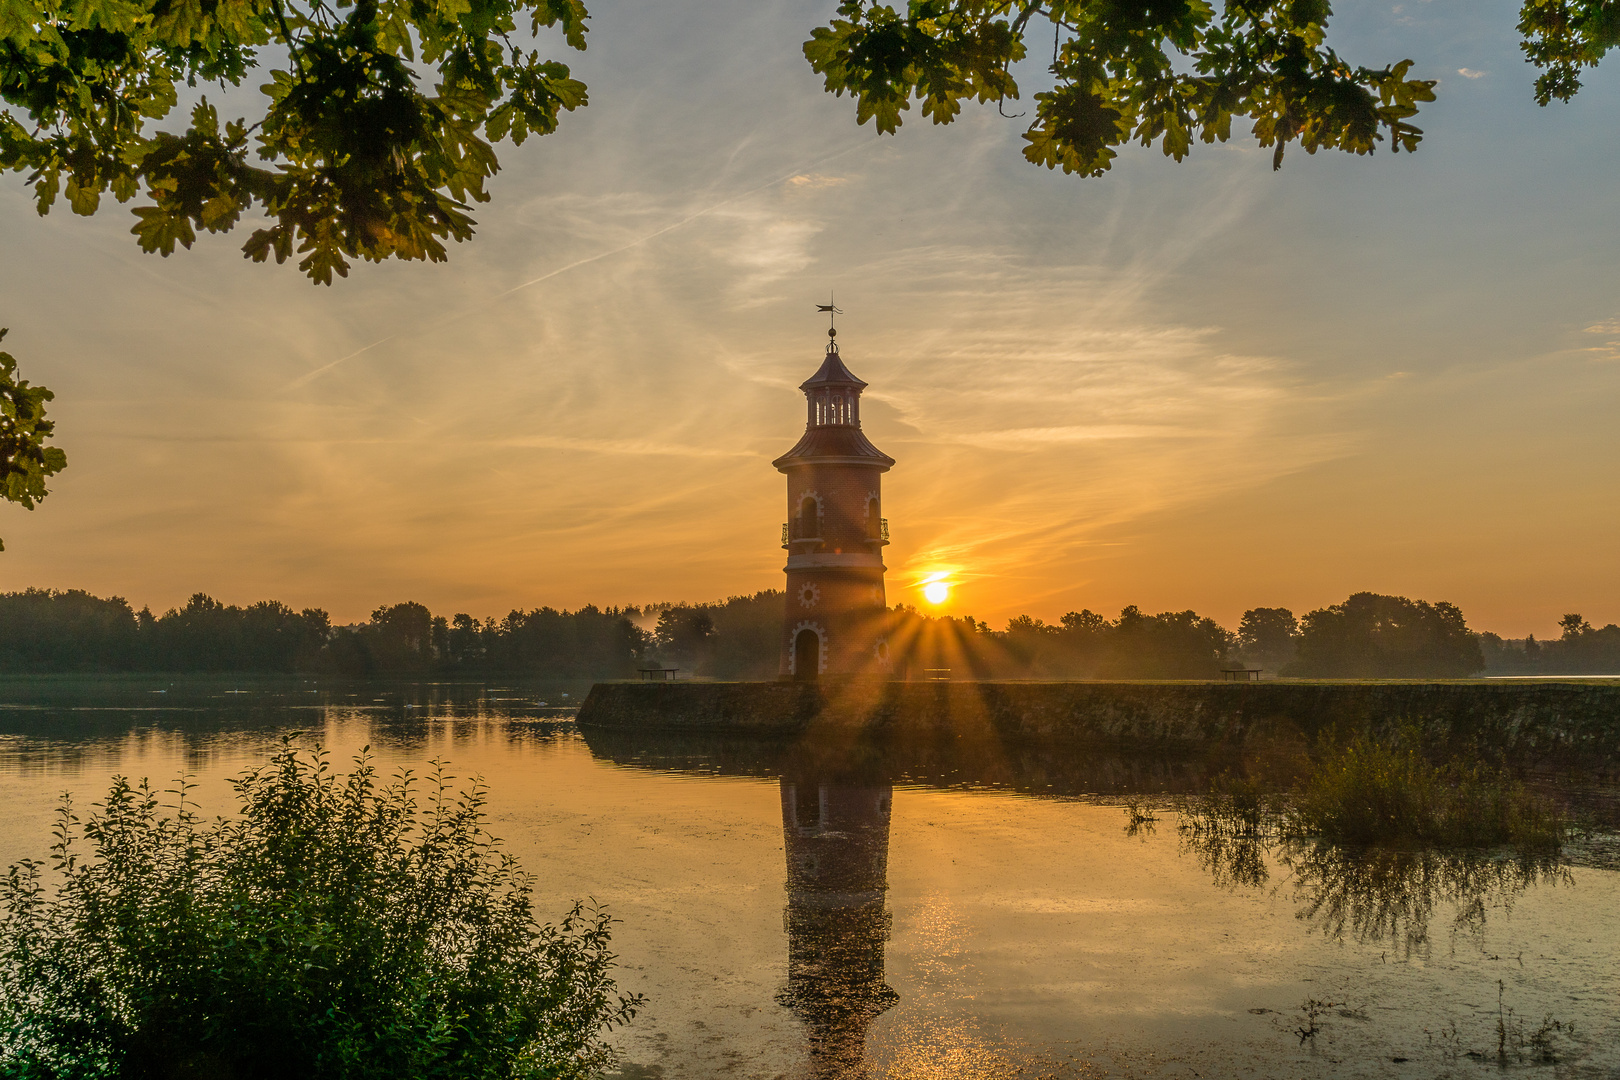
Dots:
(836, 838)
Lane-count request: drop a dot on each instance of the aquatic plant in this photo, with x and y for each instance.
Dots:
(338, 926)
(1368, 791)
(1377, 837)
(1311, 1011)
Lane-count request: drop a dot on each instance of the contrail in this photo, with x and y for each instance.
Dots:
(311, 376)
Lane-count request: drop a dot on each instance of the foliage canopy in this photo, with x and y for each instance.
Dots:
(25, 460)
(356, 159)
(340, 926)
(1163, 71)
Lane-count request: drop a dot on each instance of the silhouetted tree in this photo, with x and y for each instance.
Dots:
(43, 630)
(400, 638)
(1173, 645)
(1373, 636)
(685, 635)
(741, 638)
(746, 639)
(1268, 636)
(1583, 649)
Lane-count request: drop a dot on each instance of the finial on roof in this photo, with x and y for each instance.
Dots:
(833, 311)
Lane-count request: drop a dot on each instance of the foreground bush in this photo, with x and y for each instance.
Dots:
(338, 927)
(1370, 792)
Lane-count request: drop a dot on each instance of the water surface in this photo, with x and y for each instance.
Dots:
(921, 911)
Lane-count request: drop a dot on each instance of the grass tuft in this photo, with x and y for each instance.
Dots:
(1369, 792)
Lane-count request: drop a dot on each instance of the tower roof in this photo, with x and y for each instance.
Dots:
(834, 445)
(832, 373)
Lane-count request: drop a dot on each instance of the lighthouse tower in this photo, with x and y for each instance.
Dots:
(836, 617)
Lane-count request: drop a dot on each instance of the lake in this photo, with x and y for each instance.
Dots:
(923, 911)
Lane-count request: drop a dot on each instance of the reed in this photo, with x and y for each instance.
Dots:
(1367, 791)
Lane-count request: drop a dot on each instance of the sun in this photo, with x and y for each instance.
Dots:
(936, 591)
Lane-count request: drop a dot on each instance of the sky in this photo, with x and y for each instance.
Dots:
(1206, 385)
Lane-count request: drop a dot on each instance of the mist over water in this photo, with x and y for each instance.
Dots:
(913, 911)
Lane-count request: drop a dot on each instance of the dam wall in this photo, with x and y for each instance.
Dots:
(1532, 723)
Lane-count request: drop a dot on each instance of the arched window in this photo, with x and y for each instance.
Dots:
(807, 656)
(808, 513)
(874, 522)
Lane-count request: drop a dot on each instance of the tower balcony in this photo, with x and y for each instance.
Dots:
(788, 539)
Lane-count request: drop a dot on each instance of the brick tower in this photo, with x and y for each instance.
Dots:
(836, 617)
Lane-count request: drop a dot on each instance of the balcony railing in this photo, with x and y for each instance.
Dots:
(788, 537)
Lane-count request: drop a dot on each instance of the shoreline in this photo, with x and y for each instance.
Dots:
(1555, 722)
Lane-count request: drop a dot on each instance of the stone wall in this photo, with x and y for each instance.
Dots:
(1534, 723)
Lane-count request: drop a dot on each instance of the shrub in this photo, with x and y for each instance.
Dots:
(339, 926)
(1370, 792)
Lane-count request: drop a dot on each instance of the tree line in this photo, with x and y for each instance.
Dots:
(1367, 636)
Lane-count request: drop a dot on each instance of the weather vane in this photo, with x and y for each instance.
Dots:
(833, 311)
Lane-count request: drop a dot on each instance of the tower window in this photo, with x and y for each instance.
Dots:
(809, 511)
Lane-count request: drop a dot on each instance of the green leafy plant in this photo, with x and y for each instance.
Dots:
(25, 461)
(1164, 71)
(1372, 791)
(358, 161)
(1366, 790)
(1563, 36)
(339, 926)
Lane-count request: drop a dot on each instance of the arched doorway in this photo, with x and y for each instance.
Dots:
(806, 656)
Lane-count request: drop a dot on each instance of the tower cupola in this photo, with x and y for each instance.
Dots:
(832, 431)
(833, 392)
